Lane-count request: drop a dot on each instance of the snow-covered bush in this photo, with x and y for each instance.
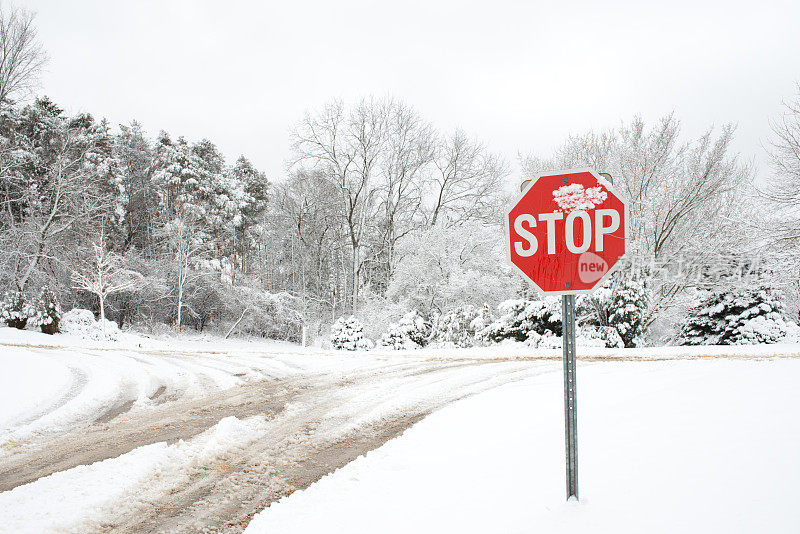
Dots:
(346, 333)
(520, 317)
(585, 337)
(411, 332)
(792, 332)
(365, 343)
(543, 341)
(397, 339)
(599, 336)
(81, 323)
(461, 326)
(735, 317)
(47, 311)
(14, 311)
(264, 314)
(621, 303)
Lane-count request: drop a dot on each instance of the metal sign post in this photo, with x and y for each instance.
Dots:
(570, 405)
(566, 234)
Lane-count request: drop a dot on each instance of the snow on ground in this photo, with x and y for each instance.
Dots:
(673, 446)
(100, 489)
(672, 439)
(57, 383)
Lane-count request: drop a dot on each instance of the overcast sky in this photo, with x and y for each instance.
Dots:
(518, 75)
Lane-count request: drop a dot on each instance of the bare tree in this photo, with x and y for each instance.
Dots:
(468, 180)
(184, 250)
(345, 146)
(682, 196)
(22, 55)
(784, 152)
(783, 193)
(103, 275)
(409, 151)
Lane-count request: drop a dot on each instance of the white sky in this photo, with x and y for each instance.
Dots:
(518, 75)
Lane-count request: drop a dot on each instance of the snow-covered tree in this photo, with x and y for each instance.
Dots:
(518, 318)
(253, 192)
(64, 180)
(14, 310)
(446, 266)
(622, 303)
(347, 333)
(735, 316)
(103, 275)
(140, 199)
(47, 311)
(467, 181)
(183, 250)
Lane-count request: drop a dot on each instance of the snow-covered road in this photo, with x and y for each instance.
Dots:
(171, 440)
(187, 436)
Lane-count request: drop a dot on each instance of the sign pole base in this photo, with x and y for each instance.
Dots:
(570, 403)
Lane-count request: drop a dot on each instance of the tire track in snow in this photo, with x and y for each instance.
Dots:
(306, 442)
(169, 422)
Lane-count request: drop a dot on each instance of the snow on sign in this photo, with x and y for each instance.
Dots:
(567, 231)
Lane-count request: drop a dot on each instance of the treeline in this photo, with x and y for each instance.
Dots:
(217, 242)
(379, 214)
(174, 212)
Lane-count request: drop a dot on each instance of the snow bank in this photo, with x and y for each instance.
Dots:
(687, 446)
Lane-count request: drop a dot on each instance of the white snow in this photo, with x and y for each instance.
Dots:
(574, 197)
(77, 498)
(674, 446)
(56, 383)
(661, 450)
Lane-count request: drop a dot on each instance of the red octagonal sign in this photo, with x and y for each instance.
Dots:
(567, 231)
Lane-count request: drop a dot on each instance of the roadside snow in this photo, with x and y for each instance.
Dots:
(18, 396)
(76, 498)
(681, 446)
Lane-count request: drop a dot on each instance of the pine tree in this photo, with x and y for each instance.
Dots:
(620, 303)
(738, 316)
(521, 317)
(47, 311)
(347, 334)
(14, 311)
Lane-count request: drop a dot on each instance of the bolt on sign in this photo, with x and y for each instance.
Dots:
(566, 234)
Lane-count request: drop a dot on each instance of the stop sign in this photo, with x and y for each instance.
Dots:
(567, 231)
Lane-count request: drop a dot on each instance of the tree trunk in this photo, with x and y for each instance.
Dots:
(103, 314)
(355, 278)
(180, 305)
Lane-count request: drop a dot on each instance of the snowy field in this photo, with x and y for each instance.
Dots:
(686, 446)
(177, 435)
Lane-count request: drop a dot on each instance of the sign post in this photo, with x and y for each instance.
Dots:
(566, 235)
(570, 405)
